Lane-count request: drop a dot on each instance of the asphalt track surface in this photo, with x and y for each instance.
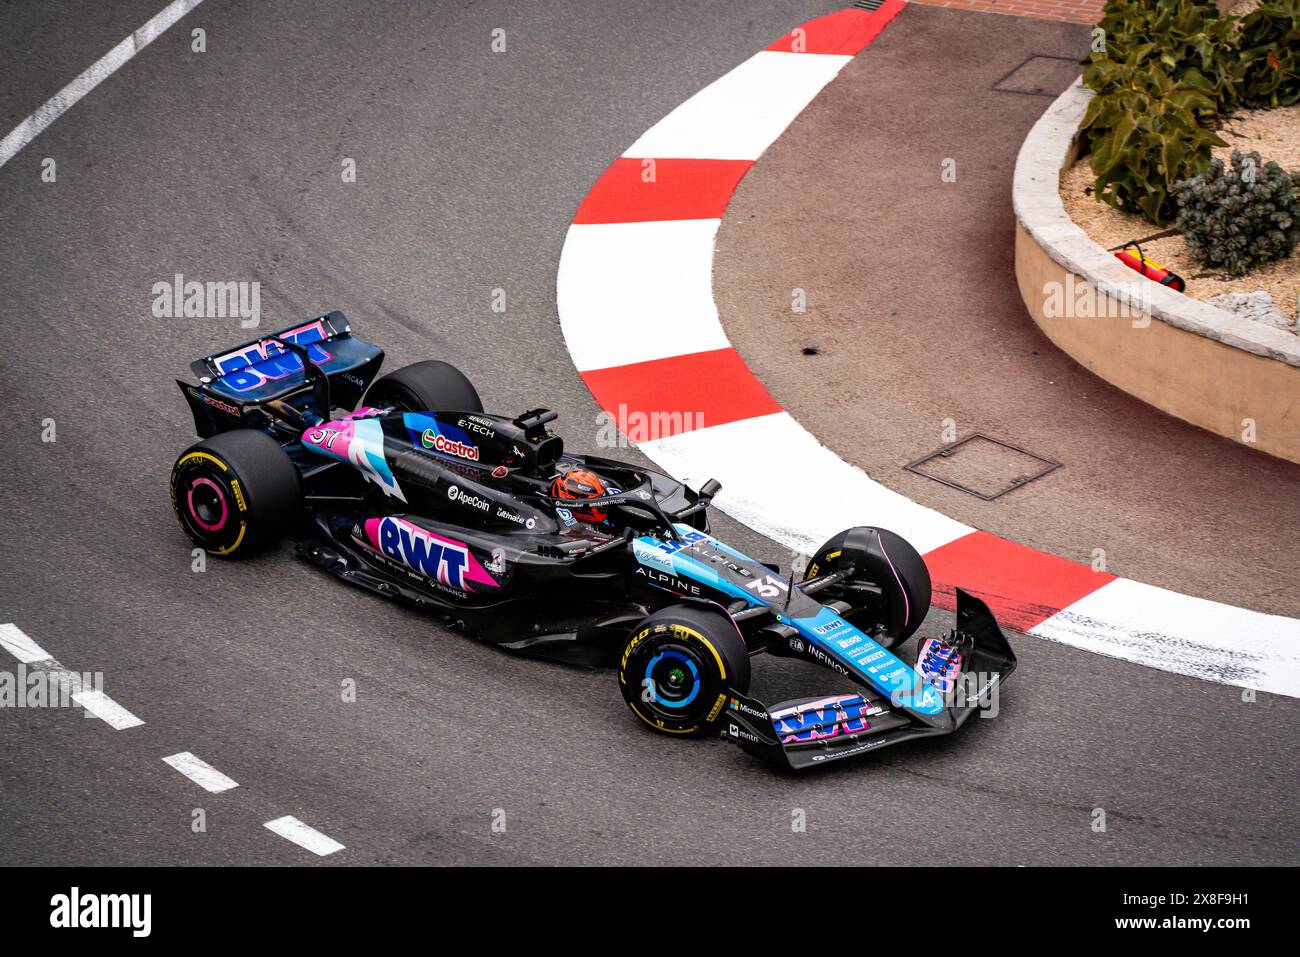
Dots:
(226, 165)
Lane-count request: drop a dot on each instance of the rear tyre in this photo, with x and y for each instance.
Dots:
(678, 666)
(427, 386)
(884, 559)
(236, 492)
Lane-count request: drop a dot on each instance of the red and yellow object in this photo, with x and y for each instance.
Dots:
(1150, 268)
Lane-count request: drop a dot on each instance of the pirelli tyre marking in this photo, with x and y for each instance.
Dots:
(686, 635)
(201, 482)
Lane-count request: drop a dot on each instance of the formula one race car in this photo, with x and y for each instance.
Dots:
(407, 487)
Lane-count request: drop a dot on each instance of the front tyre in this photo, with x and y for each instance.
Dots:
(235, 492)
(883, 560)
(678, 666)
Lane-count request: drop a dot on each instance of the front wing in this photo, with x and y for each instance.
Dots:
(808, 732)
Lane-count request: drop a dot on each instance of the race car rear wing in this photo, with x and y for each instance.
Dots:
(254, 352)
(807, 732)
(320, 357)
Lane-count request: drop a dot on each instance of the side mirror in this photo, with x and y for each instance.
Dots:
(710, 488)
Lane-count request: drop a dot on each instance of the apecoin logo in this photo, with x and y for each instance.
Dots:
(467, 499)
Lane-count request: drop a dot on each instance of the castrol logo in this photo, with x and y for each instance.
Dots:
(440, 443)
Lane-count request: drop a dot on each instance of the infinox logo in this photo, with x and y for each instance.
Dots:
(440, 559)
(440, 443)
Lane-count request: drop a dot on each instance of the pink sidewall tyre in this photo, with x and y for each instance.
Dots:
(236, 492)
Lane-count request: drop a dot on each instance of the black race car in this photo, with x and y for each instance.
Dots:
(405, 486)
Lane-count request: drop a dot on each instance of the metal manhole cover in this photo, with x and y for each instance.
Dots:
(982, 466)
(1040, 75)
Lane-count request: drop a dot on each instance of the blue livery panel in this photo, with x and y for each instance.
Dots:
(701, 558)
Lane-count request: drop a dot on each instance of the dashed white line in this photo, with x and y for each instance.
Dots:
(93, 701)
(292, 829)
(100, 705)
(106, 709)
(100, 70)
(201, 773)
(20, 646)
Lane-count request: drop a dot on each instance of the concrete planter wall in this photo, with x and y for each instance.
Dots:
(1200, 363)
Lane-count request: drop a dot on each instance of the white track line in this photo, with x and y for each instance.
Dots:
(1182, 633)
(201, 773)
(94, 702)
(106, 709)
(20, 646)
(100, 70)
(292, 829)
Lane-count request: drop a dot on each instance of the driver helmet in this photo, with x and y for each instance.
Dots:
(579, 484)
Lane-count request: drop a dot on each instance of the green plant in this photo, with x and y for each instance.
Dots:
(1186, 40)
(1144, 135)
(1241, 216)
(1270, 55)
(1166, 71)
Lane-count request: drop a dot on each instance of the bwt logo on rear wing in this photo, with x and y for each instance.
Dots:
(253, 364)
(339, 369)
